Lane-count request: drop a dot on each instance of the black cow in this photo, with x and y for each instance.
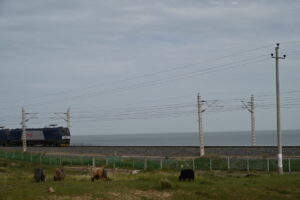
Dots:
(187, 174)
(39, 175)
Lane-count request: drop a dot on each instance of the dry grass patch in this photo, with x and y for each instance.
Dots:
(79, 177)
(153, 194)
(55, 197)
(139, 194)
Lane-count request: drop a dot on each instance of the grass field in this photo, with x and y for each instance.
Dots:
(16, 179)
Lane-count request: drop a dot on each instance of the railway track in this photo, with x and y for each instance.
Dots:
(166, 151)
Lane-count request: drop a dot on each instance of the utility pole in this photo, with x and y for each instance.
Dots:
(279, 143)
(251, 108)
(201, 133)
(23, 123)
(67, 117)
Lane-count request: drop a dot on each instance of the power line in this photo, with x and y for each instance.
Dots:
(153, 83)
(144, 75)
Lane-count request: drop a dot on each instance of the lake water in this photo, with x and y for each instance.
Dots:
(238, 138)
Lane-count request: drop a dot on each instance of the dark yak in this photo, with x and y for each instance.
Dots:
(39, 175)
(59, 175)
(187, 174)
(98, 173)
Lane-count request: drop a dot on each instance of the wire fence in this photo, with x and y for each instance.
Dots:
(205, 163)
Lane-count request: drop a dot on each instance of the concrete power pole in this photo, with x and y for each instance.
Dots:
(279, 143)
(201, 133)
(251, 108)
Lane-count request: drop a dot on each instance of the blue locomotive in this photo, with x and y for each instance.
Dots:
(52, 136)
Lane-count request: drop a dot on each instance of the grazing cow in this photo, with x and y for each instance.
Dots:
(59, 175)
(39, 175)
(187, 174)
(98, 173)
(135, 171)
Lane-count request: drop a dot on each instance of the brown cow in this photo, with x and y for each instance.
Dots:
(99, 173)
(59, 175)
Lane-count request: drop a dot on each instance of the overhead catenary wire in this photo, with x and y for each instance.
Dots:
(228, 105)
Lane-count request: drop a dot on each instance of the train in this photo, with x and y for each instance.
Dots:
(48, 136)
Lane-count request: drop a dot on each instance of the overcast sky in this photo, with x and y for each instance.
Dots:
(137, 66)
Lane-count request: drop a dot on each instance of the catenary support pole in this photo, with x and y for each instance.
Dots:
(23, 123)
(68, 118)
(253, 134)
(24, 130)
(250, 106)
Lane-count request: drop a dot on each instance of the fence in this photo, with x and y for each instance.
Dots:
(205, 163)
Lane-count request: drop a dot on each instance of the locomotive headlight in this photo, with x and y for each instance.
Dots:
(66, 137)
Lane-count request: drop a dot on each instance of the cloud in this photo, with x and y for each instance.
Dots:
(59, 45)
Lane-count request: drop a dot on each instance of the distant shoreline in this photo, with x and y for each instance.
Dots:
(188, 132)
(263, 138)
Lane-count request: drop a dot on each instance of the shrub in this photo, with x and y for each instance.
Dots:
(165, 184)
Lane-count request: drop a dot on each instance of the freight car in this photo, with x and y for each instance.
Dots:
(54, 136)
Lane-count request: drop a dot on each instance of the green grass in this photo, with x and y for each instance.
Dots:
(16, 180)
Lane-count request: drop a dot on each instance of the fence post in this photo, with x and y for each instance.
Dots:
(210, 164)
(193, 164)
(160, 163)
(290, 165)
(94, 161)
(248, 167)
(268, 164)
(132, 163)
(228, 163)
(145, 164)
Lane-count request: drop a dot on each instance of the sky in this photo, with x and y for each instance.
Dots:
(137, 66)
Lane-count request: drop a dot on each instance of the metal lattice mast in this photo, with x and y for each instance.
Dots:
(24, 130)
(250, 106)
(201, 133)
(66, 117)
(253, 133)
(23, 123)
